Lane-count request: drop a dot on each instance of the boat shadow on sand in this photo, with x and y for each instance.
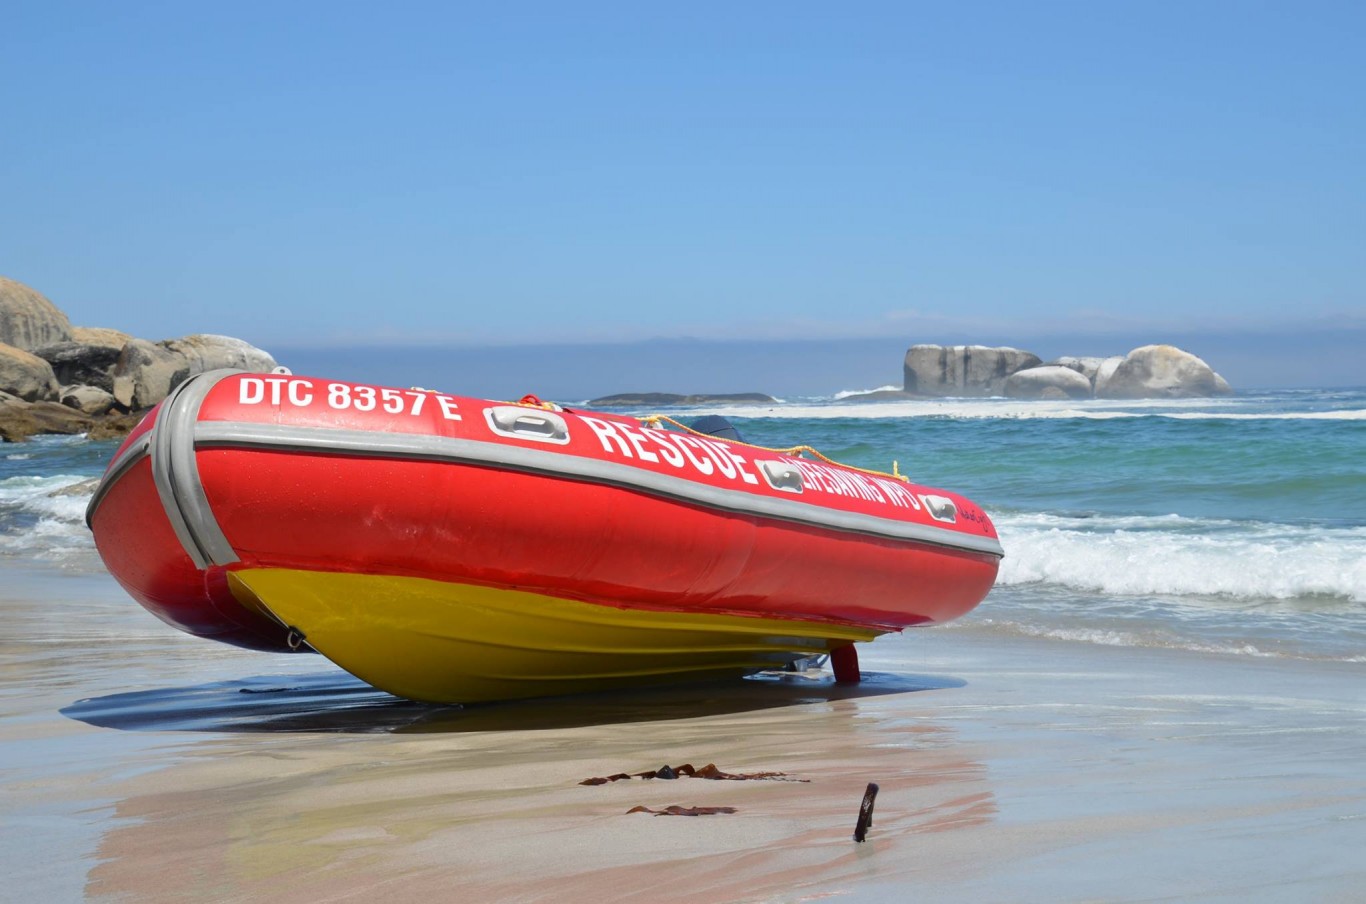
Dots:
(332, 702)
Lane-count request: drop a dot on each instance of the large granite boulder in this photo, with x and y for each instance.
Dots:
(205, 351)
(962, 370)
(1161, 372)
(146, 372)
(1052, 381)
(27, 319)
(87, 399)
(27, 376)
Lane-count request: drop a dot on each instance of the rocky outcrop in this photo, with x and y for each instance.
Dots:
(27, 376)
(1161, 372)
(1152, 371)
(1052, 381)
(146, 372)
(55, 378)
(19, 420)
(27, 319)
(962, 370)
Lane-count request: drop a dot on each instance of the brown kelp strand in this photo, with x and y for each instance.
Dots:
(708, 771)
(676, 810)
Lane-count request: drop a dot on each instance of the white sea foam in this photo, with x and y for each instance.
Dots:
(1150, 637)
(38, 520)
(847, 393)
(1176, 556)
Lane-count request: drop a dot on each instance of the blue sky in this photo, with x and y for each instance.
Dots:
(335, 173)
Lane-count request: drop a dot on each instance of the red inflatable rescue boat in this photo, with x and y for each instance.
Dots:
(453, 549)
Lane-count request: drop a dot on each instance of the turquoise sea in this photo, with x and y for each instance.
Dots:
(1233, 525)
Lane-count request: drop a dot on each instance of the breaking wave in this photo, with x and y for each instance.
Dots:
(1179, 556)
(44, 518)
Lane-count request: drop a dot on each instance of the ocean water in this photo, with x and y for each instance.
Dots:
(1233, 526)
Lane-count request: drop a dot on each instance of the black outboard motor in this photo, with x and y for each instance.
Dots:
(716, 425)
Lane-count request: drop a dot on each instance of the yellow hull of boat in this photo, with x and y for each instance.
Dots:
(462, 643)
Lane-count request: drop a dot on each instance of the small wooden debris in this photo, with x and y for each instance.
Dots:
(865, 813)
(676, 810)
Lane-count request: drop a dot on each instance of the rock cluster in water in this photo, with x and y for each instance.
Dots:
(1147, 372)
(56, 378)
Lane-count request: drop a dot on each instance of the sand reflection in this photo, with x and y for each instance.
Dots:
(319, 788)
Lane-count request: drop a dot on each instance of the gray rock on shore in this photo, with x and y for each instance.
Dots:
(55, 378)
(146, 372)
(90, 400)
(26, 375)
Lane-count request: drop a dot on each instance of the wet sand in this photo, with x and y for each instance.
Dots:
(138, 764)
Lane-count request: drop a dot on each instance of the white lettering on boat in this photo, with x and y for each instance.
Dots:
(637, 443)
(678, 450)
(666, 447)
(301, 392)
(841, 482)
(686, 444)
(255, 390)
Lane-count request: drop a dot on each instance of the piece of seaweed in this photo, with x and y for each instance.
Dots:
(708, 771)
(676, 810)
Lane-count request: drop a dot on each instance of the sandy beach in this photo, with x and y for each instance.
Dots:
(140, 764)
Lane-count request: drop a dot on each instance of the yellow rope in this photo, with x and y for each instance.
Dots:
(655, 420)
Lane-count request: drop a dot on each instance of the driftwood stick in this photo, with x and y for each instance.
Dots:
(865, 812)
